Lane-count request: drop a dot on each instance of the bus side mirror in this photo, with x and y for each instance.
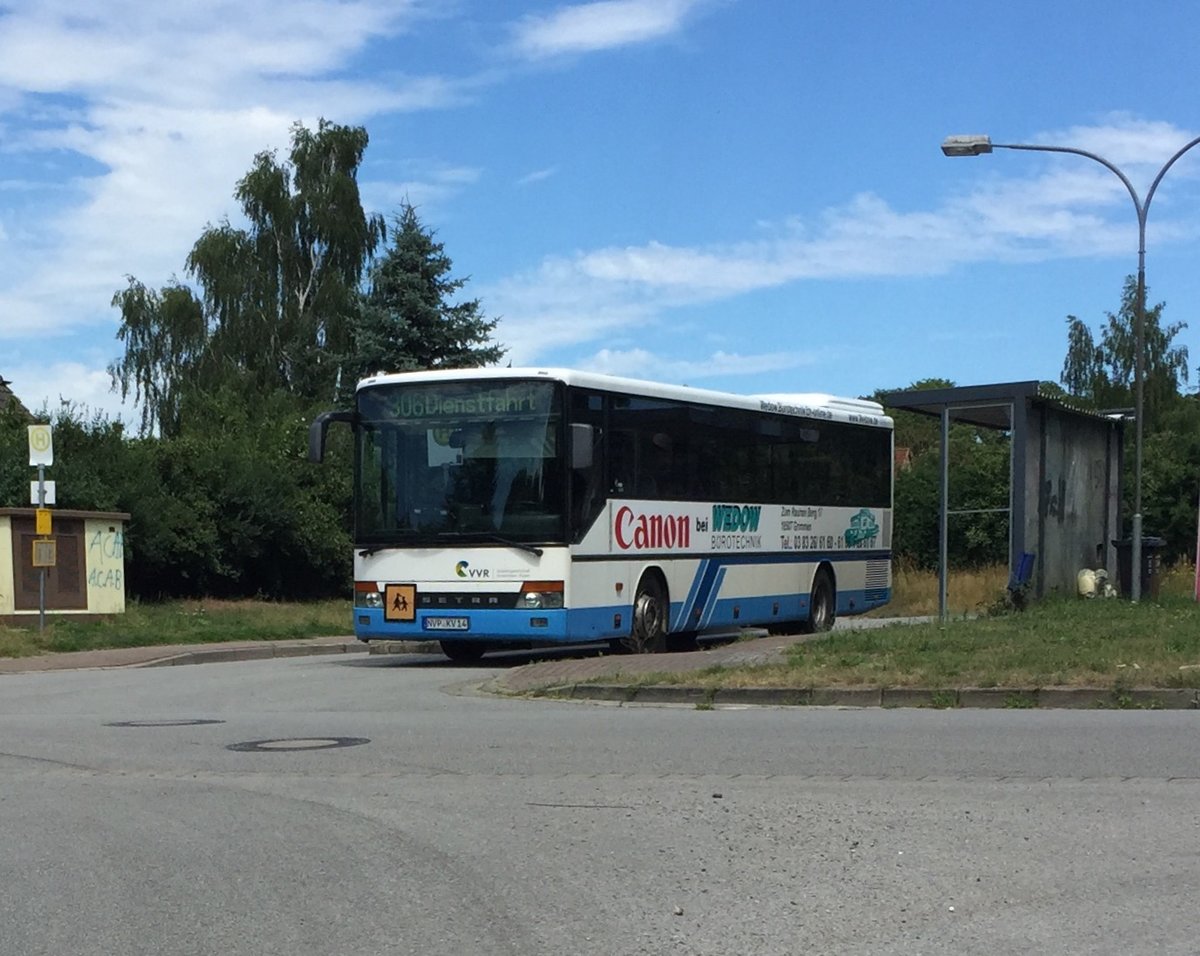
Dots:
(316, 432)
(583, 438)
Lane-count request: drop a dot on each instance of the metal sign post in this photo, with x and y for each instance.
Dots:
(41, 454)
(42, 529)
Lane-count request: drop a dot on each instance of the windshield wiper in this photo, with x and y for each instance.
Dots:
(431, 540)
(519, 545)
(498, 538)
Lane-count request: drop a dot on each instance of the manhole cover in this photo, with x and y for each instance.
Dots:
(184, 722)
(299, 743)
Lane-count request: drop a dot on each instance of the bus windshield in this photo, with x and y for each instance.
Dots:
(477, 460)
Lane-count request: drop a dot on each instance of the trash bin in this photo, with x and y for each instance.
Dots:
(1151, 563)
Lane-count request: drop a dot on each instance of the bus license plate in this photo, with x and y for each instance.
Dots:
(446, 623)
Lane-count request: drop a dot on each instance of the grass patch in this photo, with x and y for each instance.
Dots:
(1057, 642)
(181, 622)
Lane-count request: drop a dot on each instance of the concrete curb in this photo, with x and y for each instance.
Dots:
(402, 647)
(256, 653)
(170, 655)
(1013, 698)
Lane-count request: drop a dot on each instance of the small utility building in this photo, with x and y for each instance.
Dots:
(88, 576)
(1065, 479)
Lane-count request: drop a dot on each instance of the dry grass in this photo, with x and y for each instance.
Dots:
(915, 591)
(1179, 581)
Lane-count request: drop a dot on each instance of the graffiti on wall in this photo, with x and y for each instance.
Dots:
(106, 560)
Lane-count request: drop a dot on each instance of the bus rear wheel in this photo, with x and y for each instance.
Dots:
(648, 635)
(822, 607)
(463, 652)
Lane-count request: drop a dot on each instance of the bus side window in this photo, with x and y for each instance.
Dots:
(623, 459)
(588, 452)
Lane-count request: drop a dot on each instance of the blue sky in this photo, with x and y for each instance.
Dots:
(738, 194)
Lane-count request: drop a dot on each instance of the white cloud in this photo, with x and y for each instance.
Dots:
(1123, 140)
(86, 389)
(157, 124)
(1013, 214)
(537, 176)
(61, 47)
(555, 307)
(429, 184)
(588, 27)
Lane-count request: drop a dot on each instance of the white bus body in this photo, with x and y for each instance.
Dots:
(532, 506)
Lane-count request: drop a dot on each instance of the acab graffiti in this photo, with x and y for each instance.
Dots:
(106, 560)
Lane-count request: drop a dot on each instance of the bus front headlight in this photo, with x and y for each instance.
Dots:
(366, 594)
(540, 595)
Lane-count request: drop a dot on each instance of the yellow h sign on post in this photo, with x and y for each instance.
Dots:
(44, 524)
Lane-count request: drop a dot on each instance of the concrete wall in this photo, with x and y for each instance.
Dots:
(104, 542)
(7, 587)
(1072, 495)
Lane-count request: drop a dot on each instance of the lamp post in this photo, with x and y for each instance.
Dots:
(977, 146)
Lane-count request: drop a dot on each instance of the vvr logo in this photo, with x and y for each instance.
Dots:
(464, 570)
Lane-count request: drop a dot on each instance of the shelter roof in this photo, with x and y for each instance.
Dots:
(984, 405)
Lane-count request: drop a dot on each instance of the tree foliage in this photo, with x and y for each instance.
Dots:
(165, 336)
(229, 507)
(278, 296)
(228, 372)
(1102, 375)
(407, 319)
(978, 483)
(1171, 476)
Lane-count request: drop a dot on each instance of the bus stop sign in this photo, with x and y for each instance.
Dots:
(41, 445)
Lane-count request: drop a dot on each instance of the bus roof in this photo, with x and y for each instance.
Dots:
(805, 404)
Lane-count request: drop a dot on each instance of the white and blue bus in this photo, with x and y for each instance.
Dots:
(525, 507)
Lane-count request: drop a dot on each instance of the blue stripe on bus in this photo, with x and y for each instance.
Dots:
(709, 575)
(685, 611)
(701, 590)
(710, 600)
(585, 625)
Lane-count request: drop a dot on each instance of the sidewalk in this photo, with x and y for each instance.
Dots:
(613, 667)
(170, 654)
(613, 677)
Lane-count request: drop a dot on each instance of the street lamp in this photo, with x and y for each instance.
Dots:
(977, 146)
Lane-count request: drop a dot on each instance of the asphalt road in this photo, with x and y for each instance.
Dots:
(466, 824)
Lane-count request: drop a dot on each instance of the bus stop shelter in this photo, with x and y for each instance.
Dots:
(1064, 480)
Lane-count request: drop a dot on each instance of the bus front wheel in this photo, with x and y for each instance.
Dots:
(648, 634)
(822, 607)
(462, 652)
